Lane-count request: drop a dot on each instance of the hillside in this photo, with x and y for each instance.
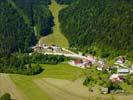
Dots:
(65, 1)
(56, 37)
(20, 21)
(37, 14)
(106, 24)
(15, 35)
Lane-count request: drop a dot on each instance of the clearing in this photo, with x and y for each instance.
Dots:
(57, 36)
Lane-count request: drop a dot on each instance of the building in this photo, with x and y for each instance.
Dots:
(91, 59)
(104, 90)
(87, 64)
(78, 62)
(100, 65)
(123, 71)
(120, 60)
(99, 68)
(37, 48)
(116, 78)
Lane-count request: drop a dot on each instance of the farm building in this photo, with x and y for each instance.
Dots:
(104, 90)
(120, 60)
(115, 78)
(123, 71)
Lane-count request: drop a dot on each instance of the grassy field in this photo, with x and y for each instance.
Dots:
(32, 92)
(60, 81)
(57, 36)
(8, 86)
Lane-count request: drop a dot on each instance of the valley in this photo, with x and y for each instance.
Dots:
(66, 50)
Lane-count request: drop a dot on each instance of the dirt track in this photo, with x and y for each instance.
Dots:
(7, 86)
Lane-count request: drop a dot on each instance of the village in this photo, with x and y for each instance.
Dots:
(120, 67)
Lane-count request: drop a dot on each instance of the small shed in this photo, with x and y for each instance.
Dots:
(123, 71)
(104, 90)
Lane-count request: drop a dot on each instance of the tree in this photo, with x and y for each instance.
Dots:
(6, 96)
(106, 23)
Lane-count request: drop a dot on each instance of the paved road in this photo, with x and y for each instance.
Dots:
(67, 55)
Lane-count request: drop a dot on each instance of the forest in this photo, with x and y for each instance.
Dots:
(106, 24)
(21, 22)
(65, 1)
(19, 63)
(89, 25)
(37, 14)
(15, 35)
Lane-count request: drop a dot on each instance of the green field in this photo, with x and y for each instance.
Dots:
(57, 36)
(32, 92)
(61, 81)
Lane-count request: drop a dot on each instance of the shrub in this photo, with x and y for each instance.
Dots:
(6, 96)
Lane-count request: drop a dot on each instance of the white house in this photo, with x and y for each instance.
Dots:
(116, 78)
(123, 71)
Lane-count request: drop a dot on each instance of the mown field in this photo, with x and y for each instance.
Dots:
(32, 92)
(60, 81)
(57, 36)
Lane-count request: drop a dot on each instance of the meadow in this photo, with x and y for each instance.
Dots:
(61, 81)
(33, 92)
(56, 37)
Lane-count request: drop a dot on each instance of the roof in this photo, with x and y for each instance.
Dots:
(104, 89)
(114, 76)
(123, 70)
(91, 58)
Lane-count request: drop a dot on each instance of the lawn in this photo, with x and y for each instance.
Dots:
(57, 36)
(59, 71)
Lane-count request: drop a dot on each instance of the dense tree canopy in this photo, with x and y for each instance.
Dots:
(106, 23)
(20, 21)
(15, 35)
(28, 65)
(5, 96)
(65, 1)
(36, 13)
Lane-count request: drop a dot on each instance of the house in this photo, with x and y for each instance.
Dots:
(56, 48)
(78, 62)
(99, 68)
(84, 63)
(104, 90)
(115, 78)
(120, 60)
(87, 64)
(117, 91)
(100, 65)
(123, 71)
(91, 59)
(37, 48)
(131, 70)
(50, 49)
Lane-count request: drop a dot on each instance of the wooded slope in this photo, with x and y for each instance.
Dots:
(106, 23)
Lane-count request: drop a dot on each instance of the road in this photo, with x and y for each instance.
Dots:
(67, 55)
